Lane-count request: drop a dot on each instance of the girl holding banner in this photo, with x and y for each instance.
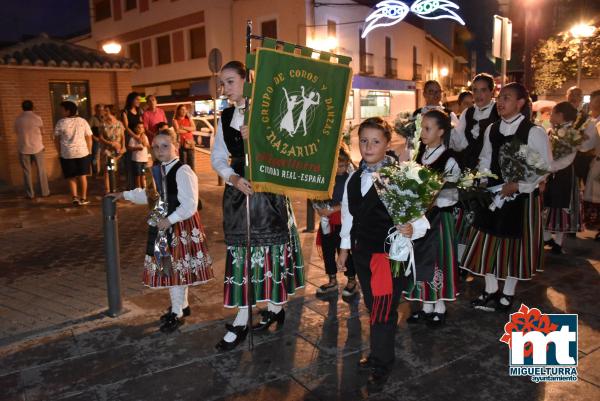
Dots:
(277, 265)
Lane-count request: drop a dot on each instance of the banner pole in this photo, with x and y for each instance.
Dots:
(249, 274)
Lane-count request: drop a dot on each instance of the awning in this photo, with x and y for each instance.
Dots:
(378, 83)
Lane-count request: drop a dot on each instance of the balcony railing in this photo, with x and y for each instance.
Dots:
(391, 70)
(366, 63)
(417, 72)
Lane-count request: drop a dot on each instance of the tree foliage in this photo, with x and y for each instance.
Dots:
(554, 60)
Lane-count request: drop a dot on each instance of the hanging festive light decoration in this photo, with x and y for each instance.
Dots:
(391, 12)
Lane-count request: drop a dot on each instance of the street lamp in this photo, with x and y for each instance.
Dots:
(111, 47)
(581, 32)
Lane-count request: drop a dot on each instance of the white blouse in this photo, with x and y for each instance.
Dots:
(187, 193)
(219, 156)
(458, 139)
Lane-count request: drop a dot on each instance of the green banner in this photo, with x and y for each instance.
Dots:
(296, 116)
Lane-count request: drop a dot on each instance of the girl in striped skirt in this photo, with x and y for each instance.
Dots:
(182, 259)
(435, 254)
(562, 211)
(506, 243)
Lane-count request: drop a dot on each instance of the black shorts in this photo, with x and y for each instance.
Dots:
(139, 168)
(75, 167)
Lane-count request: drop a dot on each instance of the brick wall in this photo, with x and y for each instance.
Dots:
(18, 84)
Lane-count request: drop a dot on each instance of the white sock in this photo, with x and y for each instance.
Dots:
(460, 251)
(241, 319)
(271, 307)
(427, 307)
(491, 283)
(509, 286)
(440, 307)
(185, 298)
(177, 294)
(558, 238)
(547, 235)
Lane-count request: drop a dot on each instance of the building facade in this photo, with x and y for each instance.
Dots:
(47, 72)
(171, 39)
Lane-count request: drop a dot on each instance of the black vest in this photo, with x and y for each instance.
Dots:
(439, 165)
(469, 157)
(172, 201)
(370, 219)
(497, 140)
(234, 141)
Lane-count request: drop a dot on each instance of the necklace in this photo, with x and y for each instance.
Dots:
(432, 152)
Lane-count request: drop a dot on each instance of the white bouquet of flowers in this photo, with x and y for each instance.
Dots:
(565, 140)
(407, 191)
(410, 128)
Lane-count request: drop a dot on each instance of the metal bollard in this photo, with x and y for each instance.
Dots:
(110, 168)
(310, 217)
(111, 253)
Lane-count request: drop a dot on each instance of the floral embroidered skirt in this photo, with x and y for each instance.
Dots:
(190, 263)
(276, 272)
(519, 258)
(443, 286)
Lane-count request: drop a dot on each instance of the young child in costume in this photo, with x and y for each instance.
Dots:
(176, 254)
(365, 226)
(435, 254)
(506, 243)
(328, 236)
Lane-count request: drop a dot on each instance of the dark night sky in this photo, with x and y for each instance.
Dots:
(63, 18)
(58, 18)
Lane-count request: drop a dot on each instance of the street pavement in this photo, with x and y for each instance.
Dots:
(56, 343)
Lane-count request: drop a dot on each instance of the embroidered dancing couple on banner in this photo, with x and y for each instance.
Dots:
(291, 101)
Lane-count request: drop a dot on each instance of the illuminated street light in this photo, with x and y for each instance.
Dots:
(444, 72)
(324, 44)
(581, 32)
(111, 47)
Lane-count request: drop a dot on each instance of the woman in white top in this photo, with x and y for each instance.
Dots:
(73, 140)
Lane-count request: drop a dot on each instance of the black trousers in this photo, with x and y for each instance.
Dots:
(382, 333)
(331, 244)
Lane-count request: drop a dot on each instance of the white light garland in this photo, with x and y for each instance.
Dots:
(391, 12)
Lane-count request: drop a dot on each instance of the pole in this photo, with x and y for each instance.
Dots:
(111, 253)
(503, 80)
(579, 57)
(310, 217)
(248, 263)
(215, 121)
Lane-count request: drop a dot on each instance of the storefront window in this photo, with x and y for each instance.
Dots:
(75, 91)
(375, 104)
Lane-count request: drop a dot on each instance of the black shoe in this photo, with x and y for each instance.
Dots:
(557, 249)
(365, 363)
(240, 335)
(377, 379)
(550, 242)
(436, 319)
(331, 286)
(172, 323)
(186, 312)
(418, 317)
(485, 301)
(500, 307)
(268, 318)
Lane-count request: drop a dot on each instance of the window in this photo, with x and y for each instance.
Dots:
(75, 91)
(375, 104)
(269, 29)
(163, 47)
(135, 52)
(331, 29)
(101, 10)
(350, 106)
(130, 5)
(198, 42)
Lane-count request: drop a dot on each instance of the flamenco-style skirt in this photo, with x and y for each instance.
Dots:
(276, 264)
(190, 262)
(519, 256)
(436, 262)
